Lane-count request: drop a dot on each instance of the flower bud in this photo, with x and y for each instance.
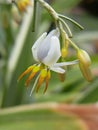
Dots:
(86, 71)
(83, 57)
(64, 52)
(84, 64)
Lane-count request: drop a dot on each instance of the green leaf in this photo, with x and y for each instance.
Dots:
(90, 95)
(39, 117)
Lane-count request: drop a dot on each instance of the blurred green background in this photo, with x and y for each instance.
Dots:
(16, 40)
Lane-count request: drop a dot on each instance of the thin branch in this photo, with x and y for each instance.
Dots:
(71, 20)
(67, 27)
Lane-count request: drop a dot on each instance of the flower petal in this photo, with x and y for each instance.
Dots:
(65, 63)
(54, 52)
(36, 45)
(44, 47)
(57, 69)
(54, 32)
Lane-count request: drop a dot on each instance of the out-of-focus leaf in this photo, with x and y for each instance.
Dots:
(90, 95)
(39, 117)
(59, 97)
(13, 94)
(64, 5)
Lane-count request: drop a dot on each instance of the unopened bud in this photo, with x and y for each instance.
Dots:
(83, 57)
(64, 52)
(86, 71)
(84, 64)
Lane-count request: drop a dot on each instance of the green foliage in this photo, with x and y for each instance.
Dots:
(39, 120)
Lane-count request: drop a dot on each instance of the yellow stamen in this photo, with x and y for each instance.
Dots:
(30, 68)
(34, 71)
(42, 77)
(47, 80)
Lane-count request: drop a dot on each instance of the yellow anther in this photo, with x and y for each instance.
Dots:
(43, 73)
(34, 71)
(42, 77)
(30, 68)
(48, 74)
(47, 80)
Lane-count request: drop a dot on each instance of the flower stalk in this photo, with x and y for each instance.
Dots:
(73, 44)
(51, 11)
(71, 20)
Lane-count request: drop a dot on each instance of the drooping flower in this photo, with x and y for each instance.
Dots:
(46, 51)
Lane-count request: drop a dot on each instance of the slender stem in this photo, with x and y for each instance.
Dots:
(67, 27)
(49, 9)
(34, 15)
(71, 20)
(73, 44)
(62, 34)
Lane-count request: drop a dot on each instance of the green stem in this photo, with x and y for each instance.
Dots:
(71, 20)
(67, 27)
(49, 9)
(74, 45)
(60, 29)
(34, 15)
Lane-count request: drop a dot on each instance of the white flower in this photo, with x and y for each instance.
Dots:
(46, 51)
